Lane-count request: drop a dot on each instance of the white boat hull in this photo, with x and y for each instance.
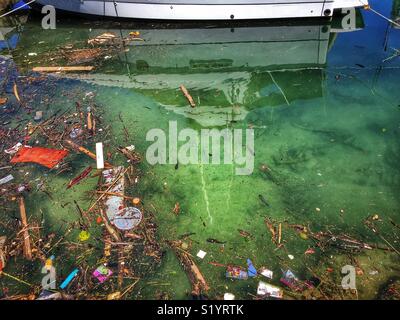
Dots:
(202, 10)
(219, 12)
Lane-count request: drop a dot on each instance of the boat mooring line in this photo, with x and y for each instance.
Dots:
(368, 7)
(280, 89)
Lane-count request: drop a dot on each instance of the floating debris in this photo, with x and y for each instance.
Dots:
(38, 116)
(236, 273)
(102, 273)
(267, 273)
(201, 254)
(127, 218)
(229, 296)
(62, 69)
(267, 290)
(43, 156)
(6, 179)
(199, 284)
(188, 96)
(80, 177)
(212, 240)
(245, 234)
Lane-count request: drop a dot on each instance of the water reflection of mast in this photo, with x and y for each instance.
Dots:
(121, 35)
(390, 26)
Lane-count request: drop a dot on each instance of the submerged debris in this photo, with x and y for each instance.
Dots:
(109, 243)
(188, 96)
(129, 233)
(199, 284)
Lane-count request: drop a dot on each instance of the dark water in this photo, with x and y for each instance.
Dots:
(322, 98)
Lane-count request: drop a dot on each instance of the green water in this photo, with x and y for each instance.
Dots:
(325, 111)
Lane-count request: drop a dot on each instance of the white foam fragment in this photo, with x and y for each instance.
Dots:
(265, 289)
(201, 254)
(229, 296)
(13, 149)
(99, 155)
(267, 273)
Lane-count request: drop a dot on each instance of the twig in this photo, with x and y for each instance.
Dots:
(15, 278)
(130, 287)
(108, 189)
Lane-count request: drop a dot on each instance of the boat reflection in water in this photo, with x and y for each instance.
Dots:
(229, 70)
(233, 70)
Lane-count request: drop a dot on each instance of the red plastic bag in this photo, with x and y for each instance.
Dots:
(44, 156)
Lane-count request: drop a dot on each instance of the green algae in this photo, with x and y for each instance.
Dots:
(321, 136)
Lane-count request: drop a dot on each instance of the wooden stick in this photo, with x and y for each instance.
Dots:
(94, 126)
(279, 233)
(2, 255)
(15, 90)
(82, 213)
(117, 243)
(89, 121)
(15, 278)
(187, 95)
(108, 189)
(121, 267)
(27, 242)
(78, 148)
(62, 69)
(115, 194)
(271, 229)
(395, 250)
(129, 288)
(391, 221)
(195, 276)
(114, 233)
(28, 228)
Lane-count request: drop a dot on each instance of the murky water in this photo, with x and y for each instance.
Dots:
(322, 99)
